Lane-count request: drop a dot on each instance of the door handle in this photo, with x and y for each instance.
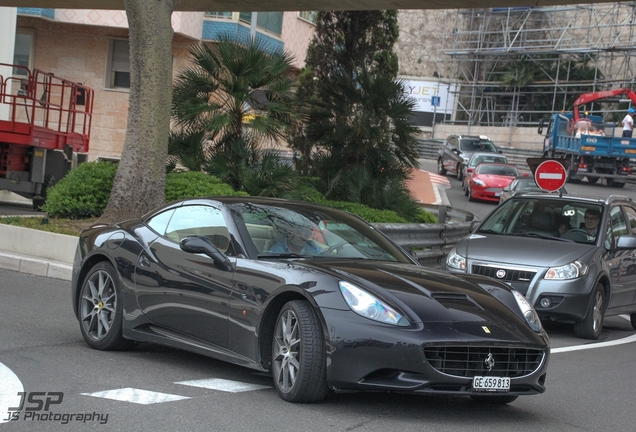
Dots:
(143, 261)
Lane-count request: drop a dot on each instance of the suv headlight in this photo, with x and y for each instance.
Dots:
(572, 270)
(455, 260)
(369, 306)
(528, 312)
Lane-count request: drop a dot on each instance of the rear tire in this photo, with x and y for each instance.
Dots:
(592, 180)
(591, 326)
(440, 167)
(632, 318)
(298, 354)
(460, 173)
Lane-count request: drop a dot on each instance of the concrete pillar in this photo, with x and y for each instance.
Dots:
(8, 16)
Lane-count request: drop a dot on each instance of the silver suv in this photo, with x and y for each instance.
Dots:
(457, 149)
(574, 258)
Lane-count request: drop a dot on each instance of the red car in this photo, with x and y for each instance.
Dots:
(488, 180)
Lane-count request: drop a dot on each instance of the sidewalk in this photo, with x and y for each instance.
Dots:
(51, 255)
(428, 187)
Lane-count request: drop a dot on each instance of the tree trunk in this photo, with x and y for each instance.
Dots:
(141, 177)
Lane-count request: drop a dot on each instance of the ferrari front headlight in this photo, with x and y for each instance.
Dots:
(528, 312)
(369, 306)
(572, 270)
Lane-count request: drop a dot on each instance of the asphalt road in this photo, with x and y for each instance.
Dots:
(589, 387)
(40, 342)
(458, 201)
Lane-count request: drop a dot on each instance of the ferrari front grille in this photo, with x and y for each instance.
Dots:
(484, 361)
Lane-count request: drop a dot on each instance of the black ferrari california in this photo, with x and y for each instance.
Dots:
(316, 296)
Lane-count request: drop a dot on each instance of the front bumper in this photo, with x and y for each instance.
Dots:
(431, 357)
(569, 299)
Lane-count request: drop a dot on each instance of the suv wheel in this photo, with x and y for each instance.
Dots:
(590, 327)
(440, 167)
(460, 173)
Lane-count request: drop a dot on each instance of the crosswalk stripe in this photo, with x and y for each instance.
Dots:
(137, 396)
(223, 385)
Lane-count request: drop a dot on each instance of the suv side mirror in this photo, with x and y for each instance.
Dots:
(626, 241)
(540, 130)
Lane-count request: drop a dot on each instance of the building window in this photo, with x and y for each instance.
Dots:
(225, 15)
(270, 21)
(308, 16)
(119, 64)
(23, 51)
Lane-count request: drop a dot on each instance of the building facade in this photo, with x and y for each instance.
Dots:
(91, 47)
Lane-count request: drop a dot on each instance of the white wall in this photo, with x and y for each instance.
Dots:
(7, 36)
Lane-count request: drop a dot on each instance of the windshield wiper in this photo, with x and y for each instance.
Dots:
(281, 255)
(489, 231)
(543, 236)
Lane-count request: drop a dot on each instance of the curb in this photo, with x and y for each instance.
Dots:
(35, 266)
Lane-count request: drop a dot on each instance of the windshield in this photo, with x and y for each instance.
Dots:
(477, 159)
(568, 220)
(476, 145)
(297, 231)
(495, 169)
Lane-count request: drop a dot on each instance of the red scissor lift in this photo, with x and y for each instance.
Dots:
(45, 124)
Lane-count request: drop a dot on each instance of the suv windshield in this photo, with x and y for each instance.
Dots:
(476, 145)
(539, 217)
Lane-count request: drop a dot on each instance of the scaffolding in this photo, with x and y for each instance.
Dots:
(516, 65)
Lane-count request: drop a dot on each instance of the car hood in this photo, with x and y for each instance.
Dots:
(495, 180)
(517, 250)
(437, 297)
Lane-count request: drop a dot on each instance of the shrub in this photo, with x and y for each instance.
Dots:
(191, 184)
(83, 192)
(367, 213)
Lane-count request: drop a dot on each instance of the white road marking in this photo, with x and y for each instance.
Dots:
(137, 396)
(11, 386)
(626, 340)
(223, 385)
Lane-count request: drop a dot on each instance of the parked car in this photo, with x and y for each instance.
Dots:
(475, 160)
(316, 296)
(544, 245)
(487, 181)
(457, 149)
(527, 184)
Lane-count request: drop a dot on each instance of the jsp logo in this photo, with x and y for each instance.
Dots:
(38, 401)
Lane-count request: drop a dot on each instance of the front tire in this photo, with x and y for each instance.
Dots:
(632, 318)
(101, 309)
(440, 167)
(298, 354)
(591, 326)
(460, 173)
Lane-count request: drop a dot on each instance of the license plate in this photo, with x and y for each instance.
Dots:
(497, 194)
(491, 384)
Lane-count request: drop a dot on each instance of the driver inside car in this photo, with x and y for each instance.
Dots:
(297, 240)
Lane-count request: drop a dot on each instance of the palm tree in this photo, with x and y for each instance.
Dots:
(236, 96)
(363, 123)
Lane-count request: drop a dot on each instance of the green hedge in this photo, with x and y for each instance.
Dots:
(85, 191)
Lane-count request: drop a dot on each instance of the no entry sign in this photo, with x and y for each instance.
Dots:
(550, 175)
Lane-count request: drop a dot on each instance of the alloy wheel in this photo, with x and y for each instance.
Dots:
(98, 305)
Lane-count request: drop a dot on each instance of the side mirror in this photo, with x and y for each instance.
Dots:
(203, 245)
(471, 169)
(626, 241)
(540, 129)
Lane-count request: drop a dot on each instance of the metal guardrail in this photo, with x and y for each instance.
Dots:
(428, 149)
(431, 243)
